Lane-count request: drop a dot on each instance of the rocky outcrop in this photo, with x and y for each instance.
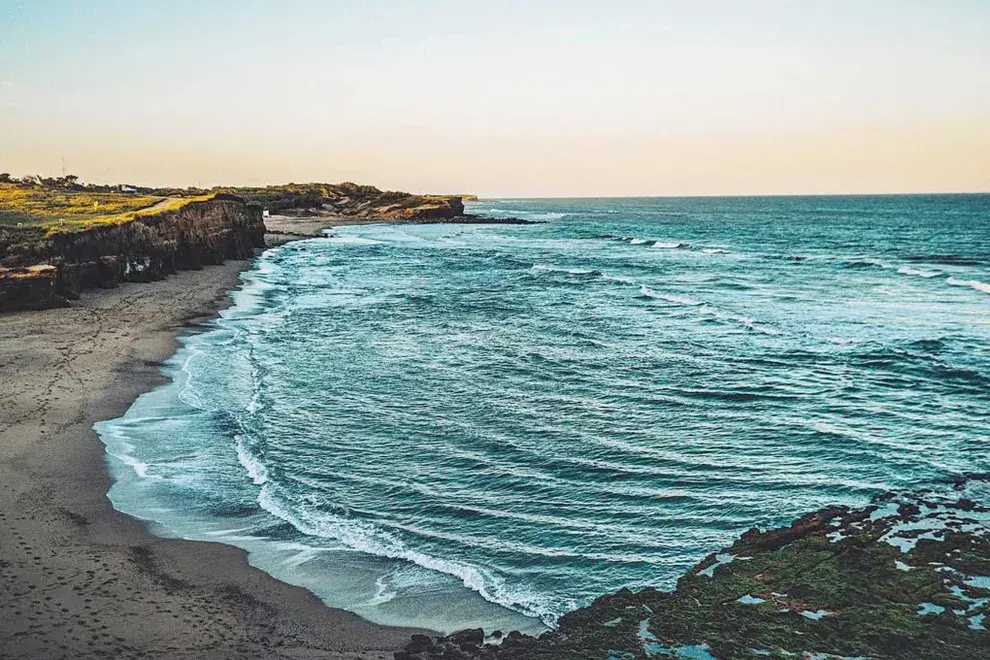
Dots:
(350, 200)
(38, 271)
(908, 577)
(420, 209)
(34, 287)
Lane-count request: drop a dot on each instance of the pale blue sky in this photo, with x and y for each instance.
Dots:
(503, 97)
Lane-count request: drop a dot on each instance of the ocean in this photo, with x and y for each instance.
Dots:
(453, 426)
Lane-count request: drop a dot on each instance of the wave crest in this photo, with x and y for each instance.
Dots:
(562, 269)
(977, 285)
(927, 274)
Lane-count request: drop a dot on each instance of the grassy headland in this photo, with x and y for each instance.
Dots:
(42, 209)
(351, 200)
(37, 206)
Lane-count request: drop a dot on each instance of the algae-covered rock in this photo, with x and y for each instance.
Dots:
(907, 577)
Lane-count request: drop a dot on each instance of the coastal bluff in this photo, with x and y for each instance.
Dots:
(351, 200)
(58, 237)
(44, 267)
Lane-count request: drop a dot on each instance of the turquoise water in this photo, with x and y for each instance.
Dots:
(453, 425)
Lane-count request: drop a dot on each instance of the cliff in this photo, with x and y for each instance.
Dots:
(908, 577)
(352, 201)
(42, 266)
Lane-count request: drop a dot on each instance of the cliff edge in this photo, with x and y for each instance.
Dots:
(350, 200)
(42, 265)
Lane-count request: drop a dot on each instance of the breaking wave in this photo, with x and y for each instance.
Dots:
(976, 285)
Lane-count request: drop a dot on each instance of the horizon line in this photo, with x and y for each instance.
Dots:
(527, 197)
(732, 195)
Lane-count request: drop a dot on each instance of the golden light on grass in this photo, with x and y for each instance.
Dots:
(57, 210)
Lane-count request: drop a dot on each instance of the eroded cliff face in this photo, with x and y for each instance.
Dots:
(44, 273)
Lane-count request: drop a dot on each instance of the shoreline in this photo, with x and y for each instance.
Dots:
(81, 579)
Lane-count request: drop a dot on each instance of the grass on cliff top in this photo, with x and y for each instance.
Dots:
(62, 210)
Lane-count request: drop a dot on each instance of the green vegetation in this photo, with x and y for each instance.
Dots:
(28, 204)
(32, 206)
(906, 578)
(294, 196)
(350, 199)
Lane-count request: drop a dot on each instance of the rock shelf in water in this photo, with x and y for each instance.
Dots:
(907, 577)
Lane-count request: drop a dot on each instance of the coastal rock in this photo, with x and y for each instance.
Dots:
(907, 577)
(36, 273)
(34, 287)
(351, 200)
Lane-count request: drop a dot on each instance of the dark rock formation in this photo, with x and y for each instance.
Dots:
(45, 270)
(908, 577)
(351, 200)
(29, 288)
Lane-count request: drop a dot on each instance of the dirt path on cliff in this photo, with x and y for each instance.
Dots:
(77, 578)
(160, 204)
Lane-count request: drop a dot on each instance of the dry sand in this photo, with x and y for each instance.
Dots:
(77, 578)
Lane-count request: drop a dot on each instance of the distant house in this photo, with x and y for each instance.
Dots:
(266, 213)
(128, 189)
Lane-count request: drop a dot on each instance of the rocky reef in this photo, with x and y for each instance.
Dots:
(907, 577)
(43, 267)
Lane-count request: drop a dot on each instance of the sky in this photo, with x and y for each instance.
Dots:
(503, 97)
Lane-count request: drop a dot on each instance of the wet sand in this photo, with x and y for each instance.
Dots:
(77, 578)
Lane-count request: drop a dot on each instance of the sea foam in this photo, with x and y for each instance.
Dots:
(368, 538)
(927, 274)
(977, 285)
(561, 269)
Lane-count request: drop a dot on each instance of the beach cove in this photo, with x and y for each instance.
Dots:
(80, 579)
(394, 341)
(196, 599)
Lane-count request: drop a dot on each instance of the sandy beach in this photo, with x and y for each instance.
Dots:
(77, 578)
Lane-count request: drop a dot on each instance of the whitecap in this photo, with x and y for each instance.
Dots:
(350, 240)
(973, 284)
(745, 321)
(560, 269)
(709, 310)
(254, 467)
(519, 213)
(638, 241)
(714, 251)
(927, 274)
(647, 292)
(669, 246)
